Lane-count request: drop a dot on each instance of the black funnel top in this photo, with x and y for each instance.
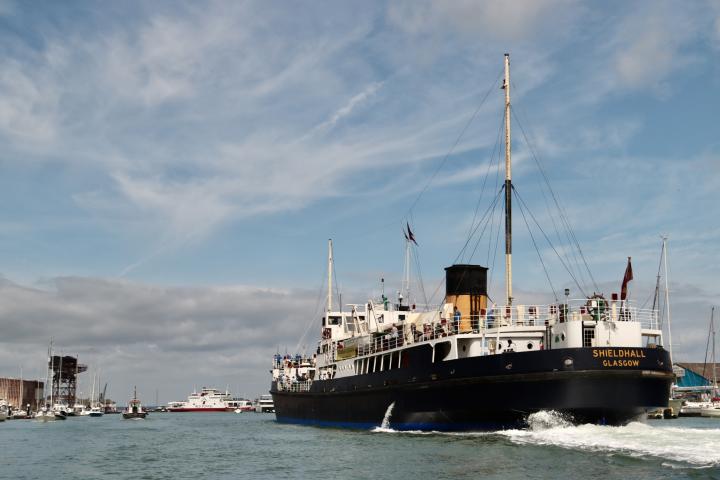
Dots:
(466, 280)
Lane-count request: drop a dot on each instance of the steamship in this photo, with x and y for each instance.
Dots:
(469, 364)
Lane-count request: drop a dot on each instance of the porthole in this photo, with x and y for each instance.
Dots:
(530, 345)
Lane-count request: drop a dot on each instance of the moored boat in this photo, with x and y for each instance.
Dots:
(241, 405)
(712, 411)
(469, 364)
(265, 404)
(50, 411)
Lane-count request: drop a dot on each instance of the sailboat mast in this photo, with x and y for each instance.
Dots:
(712, 327)
(330, 265)
(508, 186)
(667, 298)
(51, 368)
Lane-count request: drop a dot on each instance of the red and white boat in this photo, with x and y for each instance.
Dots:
(207, 400)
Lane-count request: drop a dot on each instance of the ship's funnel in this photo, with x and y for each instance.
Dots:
(466, 289)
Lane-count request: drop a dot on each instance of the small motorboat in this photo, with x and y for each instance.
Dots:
(134, 409)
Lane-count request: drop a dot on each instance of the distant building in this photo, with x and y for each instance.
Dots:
(12, 388)
(693, 375)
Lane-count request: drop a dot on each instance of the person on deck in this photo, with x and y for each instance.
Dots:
(456, 320)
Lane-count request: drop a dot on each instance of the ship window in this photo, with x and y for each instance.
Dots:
(401, 317)
(588, 336)
(335, 320)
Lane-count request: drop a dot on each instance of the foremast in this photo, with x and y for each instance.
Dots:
(508, 187)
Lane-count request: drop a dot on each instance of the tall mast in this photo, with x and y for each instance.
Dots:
(406, 279)
(667, 297)
(712, 327)
(508, 186)
(330, 268)
(51, 368)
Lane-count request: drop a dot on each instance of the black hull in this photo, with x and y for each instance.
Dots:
(489, 392)
(131, 416)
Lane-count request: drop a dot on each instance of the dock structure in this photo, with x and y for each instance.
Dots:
(64, 373)
(20, 393)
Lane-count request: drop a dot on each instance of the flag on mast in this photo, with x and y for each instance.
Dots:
(626, 279)
(409, 235)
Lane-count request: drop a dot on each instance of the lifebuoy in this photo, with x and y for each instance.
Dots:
(596, 306)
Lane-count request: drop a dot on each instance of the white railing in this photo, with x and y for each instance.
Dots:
(544, 315)
(509, 316)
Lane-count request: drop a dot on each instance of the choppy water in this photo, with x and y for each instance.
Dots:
(229, 446)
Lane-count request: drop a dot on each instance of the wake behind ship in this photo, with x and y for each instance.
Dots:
(470, 364)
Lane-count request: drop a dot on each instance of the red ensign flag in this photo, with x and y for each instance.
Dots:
(626, 279)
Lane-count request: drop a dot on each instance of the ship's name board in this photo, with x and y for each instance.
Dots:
(619, 357)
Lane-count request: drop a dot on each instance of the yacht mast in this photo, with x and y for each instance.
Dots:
(712, 328)
(330, 268)
(667, 297)
(51, 368)
(508, 186)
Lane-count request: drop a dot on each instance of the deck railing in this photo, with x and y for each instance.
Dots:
(516, 315)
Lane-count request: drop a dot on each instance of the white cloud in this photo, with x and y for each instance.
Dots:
(28, 101)
(352, 104)
(497, 20)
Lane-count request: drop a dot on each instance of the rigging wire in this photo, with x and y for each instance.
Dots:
(416, 256)
(457, 140)
(314, 315)
(563, 216)
(707, 348)
(409, 214)
(491, 163)
(527, 225)
(484, 220)
(575, 263)
(551, 245)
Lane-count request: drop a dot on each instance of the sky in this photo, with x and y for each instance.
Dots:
(170, 172)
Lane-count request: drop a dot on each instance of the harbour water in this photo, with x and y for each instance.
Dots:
(233, 446)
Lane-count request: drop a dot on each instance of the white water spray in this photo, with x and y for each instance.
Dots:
(386, 419)
(546, 419)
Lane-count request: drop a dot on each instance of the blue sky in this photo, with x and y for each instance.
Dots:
(171, 171)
